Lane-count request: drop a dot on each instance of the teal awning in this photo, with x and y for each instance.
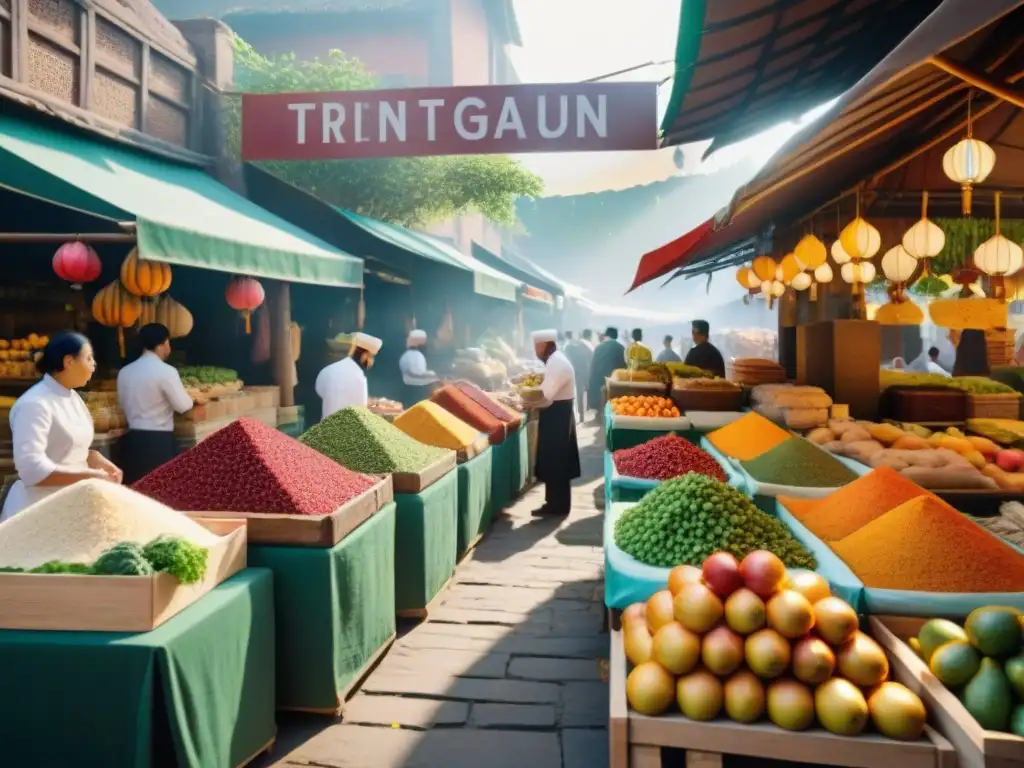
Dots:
(182, 215)
(487, 281)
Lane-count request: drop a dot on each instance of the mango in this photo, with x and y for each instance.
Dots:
(988, 697)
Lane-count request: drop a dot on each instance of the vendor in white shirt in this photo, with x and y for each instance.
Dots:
(558, 456)
(51, 428)
(419, 381)
(343, 384)
(150, 392)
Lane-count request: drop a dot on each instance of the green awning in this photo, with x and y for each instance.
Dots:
(487, 281)
(182, 215)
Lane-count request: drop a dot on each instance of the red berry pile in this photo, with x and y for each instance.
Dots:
(664, 458)
(250, 467)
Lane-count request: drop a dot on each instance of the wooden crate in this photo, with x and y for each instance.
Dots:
(636, 741)
(198, 430)
(266, 397)
(116, 603)
(474, 449)
(616, 388)
(975, 747)
(1001, 406)
(321, 531)
(414, 482)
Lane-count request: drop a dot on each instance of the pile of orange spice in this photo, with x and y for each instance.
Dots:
(855, 505)
(925, 545)
(748, 437)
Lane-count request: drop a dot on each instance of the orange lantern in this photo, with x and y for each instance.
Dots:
(143, 277)
(115, 307)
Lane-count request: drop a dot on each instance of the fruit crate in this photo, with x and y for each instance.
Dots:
(636, 741)
(975, 747)
(1000, 406)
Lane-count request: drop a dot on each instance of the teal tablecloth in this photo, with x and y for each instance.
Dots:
(616, 438)
(196, 692)
(475, 514)
(426, 538)
(519, 461)
(502, 457)
(335, 608)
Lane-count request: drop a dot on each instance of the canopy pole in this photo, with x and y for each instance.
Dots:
(281, 341)
(978, 80)
(51, 237)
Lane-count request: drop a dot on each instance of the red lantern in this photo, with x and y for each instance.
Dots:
(245, 295)
(77, 263)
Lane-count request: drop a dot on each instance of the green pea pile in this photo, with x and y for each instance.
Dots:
(687, 519)
(364, 442)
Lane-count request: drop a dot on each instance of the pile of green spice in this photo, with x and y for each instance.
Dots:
(364, 442)
(799, 463)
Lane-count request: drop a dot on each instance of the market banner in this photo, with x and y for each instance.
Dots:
(464, 120)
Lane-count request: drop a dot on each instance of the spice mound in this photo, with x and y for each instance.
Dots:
(488, 403)
(689, 518)
(463, 407)
(664, 458)
(78, 523)
(925, 545)
(748, 437)
(365, 442)
(250, 467)
(855, 505)
(799, 463)
(429, 423)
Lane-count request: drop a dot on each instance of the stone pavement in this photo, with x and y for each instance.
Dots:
(507, 672)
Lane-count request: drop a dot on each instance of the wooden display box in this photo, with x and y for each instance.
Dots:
(840, 356)
(266, 397)
(116, 603)
(616, 388)
(925, 406)
(707, 399)
(1000, 406)
(474, 449)
(197, 430)
(636, 741)
(320, 531)
(975, 747)
(414, 482)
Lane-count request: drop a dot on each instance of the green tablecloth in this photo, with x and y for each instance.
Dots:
(335, 609)
(426, 535)
(617, 439)
(197, 691)
(501, 472)
(474, 517)
(519, 461)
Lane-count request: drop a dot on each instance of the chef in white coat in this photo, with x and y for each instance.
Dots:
(51, 428)
(343, 384)
(418, 379)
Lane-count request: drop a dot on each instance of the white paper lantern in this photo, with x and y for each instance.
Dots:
(858, 272)
(838, 254)
(924, 240)
(766, 287)
(968, 162)
(778, 288)
(779, 275)
(803, 281)
(999, 256)
(867, 272)
(823, 274)
(860, 239)
(898, 265)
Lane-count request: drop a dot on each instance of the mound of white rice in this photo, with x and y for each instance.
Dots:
(77, 523)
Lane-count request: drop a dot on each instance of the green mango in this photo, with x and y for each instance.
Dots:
(955, 663)
(988, 697)
(1014, 669)
(994, 630)
(938, 632)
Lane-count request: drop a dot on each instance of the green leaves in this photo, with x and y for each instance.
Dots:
(412, 191)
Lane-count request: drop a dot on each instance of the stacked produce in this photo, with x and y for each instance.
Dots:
(16, 356)
(208, 376)
(796, 407)
(936, 460)
(365, 442)
(743, 639)
(384, 407)
(754, 371)
(488, 403)
(463, 407)
(636, 375)
(1009, 432)
(704, 384)
(430, 424)
(982, 662)
(974, 385)
(666, 457)
(105, 410)
(250, 467)
(684, 371)
(799, 463)
(638, 405)
(474, 364)
(686, 519)
(748, 437)
(99, 528)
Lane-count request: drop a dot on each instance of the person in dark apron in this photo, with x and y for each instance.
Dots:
(558, 456)
(150, 392)
(418, 381)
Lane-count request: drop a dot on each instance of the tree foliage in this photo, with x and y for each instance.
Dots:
(410, 191)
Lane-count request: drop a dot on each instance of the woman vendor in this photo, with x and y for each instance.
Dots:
(52, 429)
(558, 456)
(419, 382)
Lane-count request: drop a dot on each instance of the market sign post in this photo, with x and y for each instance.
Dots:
(464, 120)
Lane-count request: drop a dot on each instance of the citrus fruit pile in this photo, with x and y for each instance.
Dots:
(743, 640)
(639, 405)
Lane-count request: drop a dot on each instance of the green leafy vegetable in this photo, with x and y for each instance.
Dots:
(11, 569)
(58, 567)
(125, 559)
(181, 559)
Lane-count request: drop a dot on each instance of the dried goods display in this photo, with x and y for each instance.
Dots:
(248, 466)
(488, 403)
(745, 640)
(684, 371)
(796, 407)
(1009, 432)
(383, 406)
(975, 385)
(463, 407)
(748, 437)
(430, 424)
(704, 384)
(666, 457)
(753, 371)
(365, 442)
(635, 375)
(206, 376)
(651, 407)
(686, 519)
(799, 463)
(17, 359)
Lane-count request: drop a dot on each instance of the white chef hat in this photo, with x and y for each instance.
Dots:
(417, 337)
(543, 337)
(365, 341)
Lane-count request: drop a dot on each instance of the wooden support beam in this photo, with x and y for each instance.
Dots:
(53, 237)
(978, 80)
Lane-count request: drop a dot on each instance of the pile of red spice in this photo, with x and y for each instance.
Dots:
(463, 407)
(489, 404)
(664, 458)
(250, 467)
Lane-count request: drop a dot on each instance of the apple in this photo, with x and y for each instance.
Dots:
(763, 573)
(1010, 460)
(722, 574)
